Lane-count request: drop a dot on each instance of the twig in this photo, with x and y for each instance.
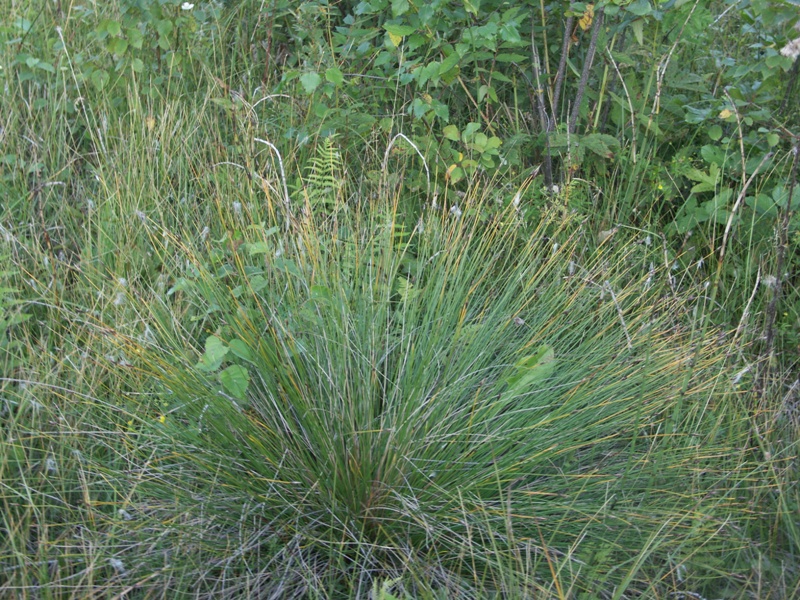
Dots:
(545, 119)
(562, 66)
(610, 290)
(736, 204)
(741, 138)
(414, 146)
(587, 66)
(630, 105)
(286, 200)
(661, 71)
(783, 243)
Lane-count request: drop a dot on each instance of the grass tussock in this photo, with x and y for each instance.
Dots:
(381, 397)
(290, 370)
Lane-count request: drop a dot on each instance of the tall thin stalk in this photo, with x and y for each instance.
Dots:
(783, 244)
(587, 67)
(545, 119)
(562, 66)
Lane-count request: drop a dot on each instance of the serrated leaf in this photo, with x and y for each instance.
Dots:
(451, 133)
(334, 75)
(310, 81)
(400, 7)
(118, 46)
(287, 266)
(601, 144)
(215, 353)
(709, 178)
(240, 349)
(235, 380)
(258, 248)
(100, 79)
(399, 30)
(135, 38)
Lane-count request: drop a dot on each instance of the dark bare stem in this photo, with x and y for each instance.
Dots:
(612, 88)
(562, 68)
(790, 86)
(783, 243)
(544, 119)
(587, 66)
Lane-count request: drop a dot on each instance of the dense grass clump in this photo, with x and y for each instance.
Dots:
(450, 402)
(491, 303)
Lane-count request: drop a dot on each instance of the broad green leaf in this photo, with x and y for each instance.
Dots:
(164, 27)
(472, 6)
(258, 248)
(529, 371)
(287, 266)
(715, 132)
(601, 144)
(320, 293)
(400, 7)
(640, 8)
(696, 115)
(638, 31)
(455, 173)
(235, 380)
(505, 57)
(451, 133)
(469, 131)
(240, 349)
(135, 38)
(113, 27)
(118, 46)
(398, 30)
(334, 75)
(45, 66)
(713, 154)
(773, 139)
(24, 25)
(449, 63)
(762, 204)
(310, 81)
(100, 78)
(258, 283)
(707, 181)
(213, 356)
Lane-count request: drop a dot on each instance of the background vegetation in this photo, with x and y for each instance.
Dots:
(399, 299)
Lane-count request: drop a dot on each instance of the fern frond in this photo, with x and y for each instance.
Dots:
(324, 180)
